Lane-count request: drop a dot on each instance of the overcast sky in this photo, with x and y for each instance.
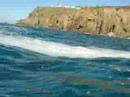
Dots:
(12, 10)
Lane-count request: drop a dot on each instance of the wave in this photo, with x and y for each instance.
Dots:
(60, 50)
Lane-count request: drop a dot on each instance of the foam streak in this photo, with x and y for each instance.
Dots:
(60, 50)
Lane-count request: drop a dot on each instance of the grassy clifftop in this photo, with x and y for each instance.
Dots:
(111, 21)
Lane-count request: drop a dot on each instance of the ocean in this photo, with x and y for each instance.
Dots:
(42, 62)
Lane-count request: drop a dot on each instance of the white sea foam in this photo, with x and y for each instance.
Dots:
(60, 50)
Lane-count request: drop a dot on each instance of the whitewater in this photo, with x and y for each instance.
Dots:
(56, 49)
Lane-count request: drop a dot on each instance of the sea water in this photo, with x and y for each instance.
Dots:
(41, 62)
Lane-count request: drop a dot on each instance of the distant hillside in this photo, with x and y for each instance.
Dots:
(111, 21)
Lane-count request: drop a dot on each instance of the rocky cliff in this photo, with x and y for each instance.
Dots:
(111, 21)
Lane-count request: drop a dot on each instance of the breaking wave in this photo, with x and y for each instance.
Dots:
(56, 49)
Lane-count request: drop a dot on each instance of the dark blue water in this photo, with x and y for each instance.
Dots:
(25, 73)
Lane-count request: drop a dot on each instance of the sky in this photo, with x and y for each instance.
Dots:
(13, 10)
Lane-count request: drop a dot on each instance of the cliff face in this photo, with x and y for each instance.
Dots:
(111, 21)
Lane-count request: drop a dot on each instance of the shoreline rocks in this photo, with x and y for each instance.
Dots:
(109, 21)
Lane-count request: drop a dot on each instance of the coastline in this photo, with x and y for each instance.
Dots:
(108, 21)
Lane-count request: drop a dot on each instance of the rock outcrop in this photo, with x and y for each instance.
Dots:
(110, 21)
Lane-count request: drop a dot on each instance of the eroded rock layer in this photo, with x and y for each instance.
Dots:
(111, 21)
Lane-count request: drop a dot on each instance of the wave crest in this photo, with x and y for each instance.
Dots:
(60, 50)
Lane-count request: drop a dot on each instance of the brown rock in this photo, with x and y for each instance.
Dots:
(111, 21)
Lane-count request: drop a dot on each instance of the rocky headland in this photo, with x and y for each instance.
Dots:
(109, 21)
